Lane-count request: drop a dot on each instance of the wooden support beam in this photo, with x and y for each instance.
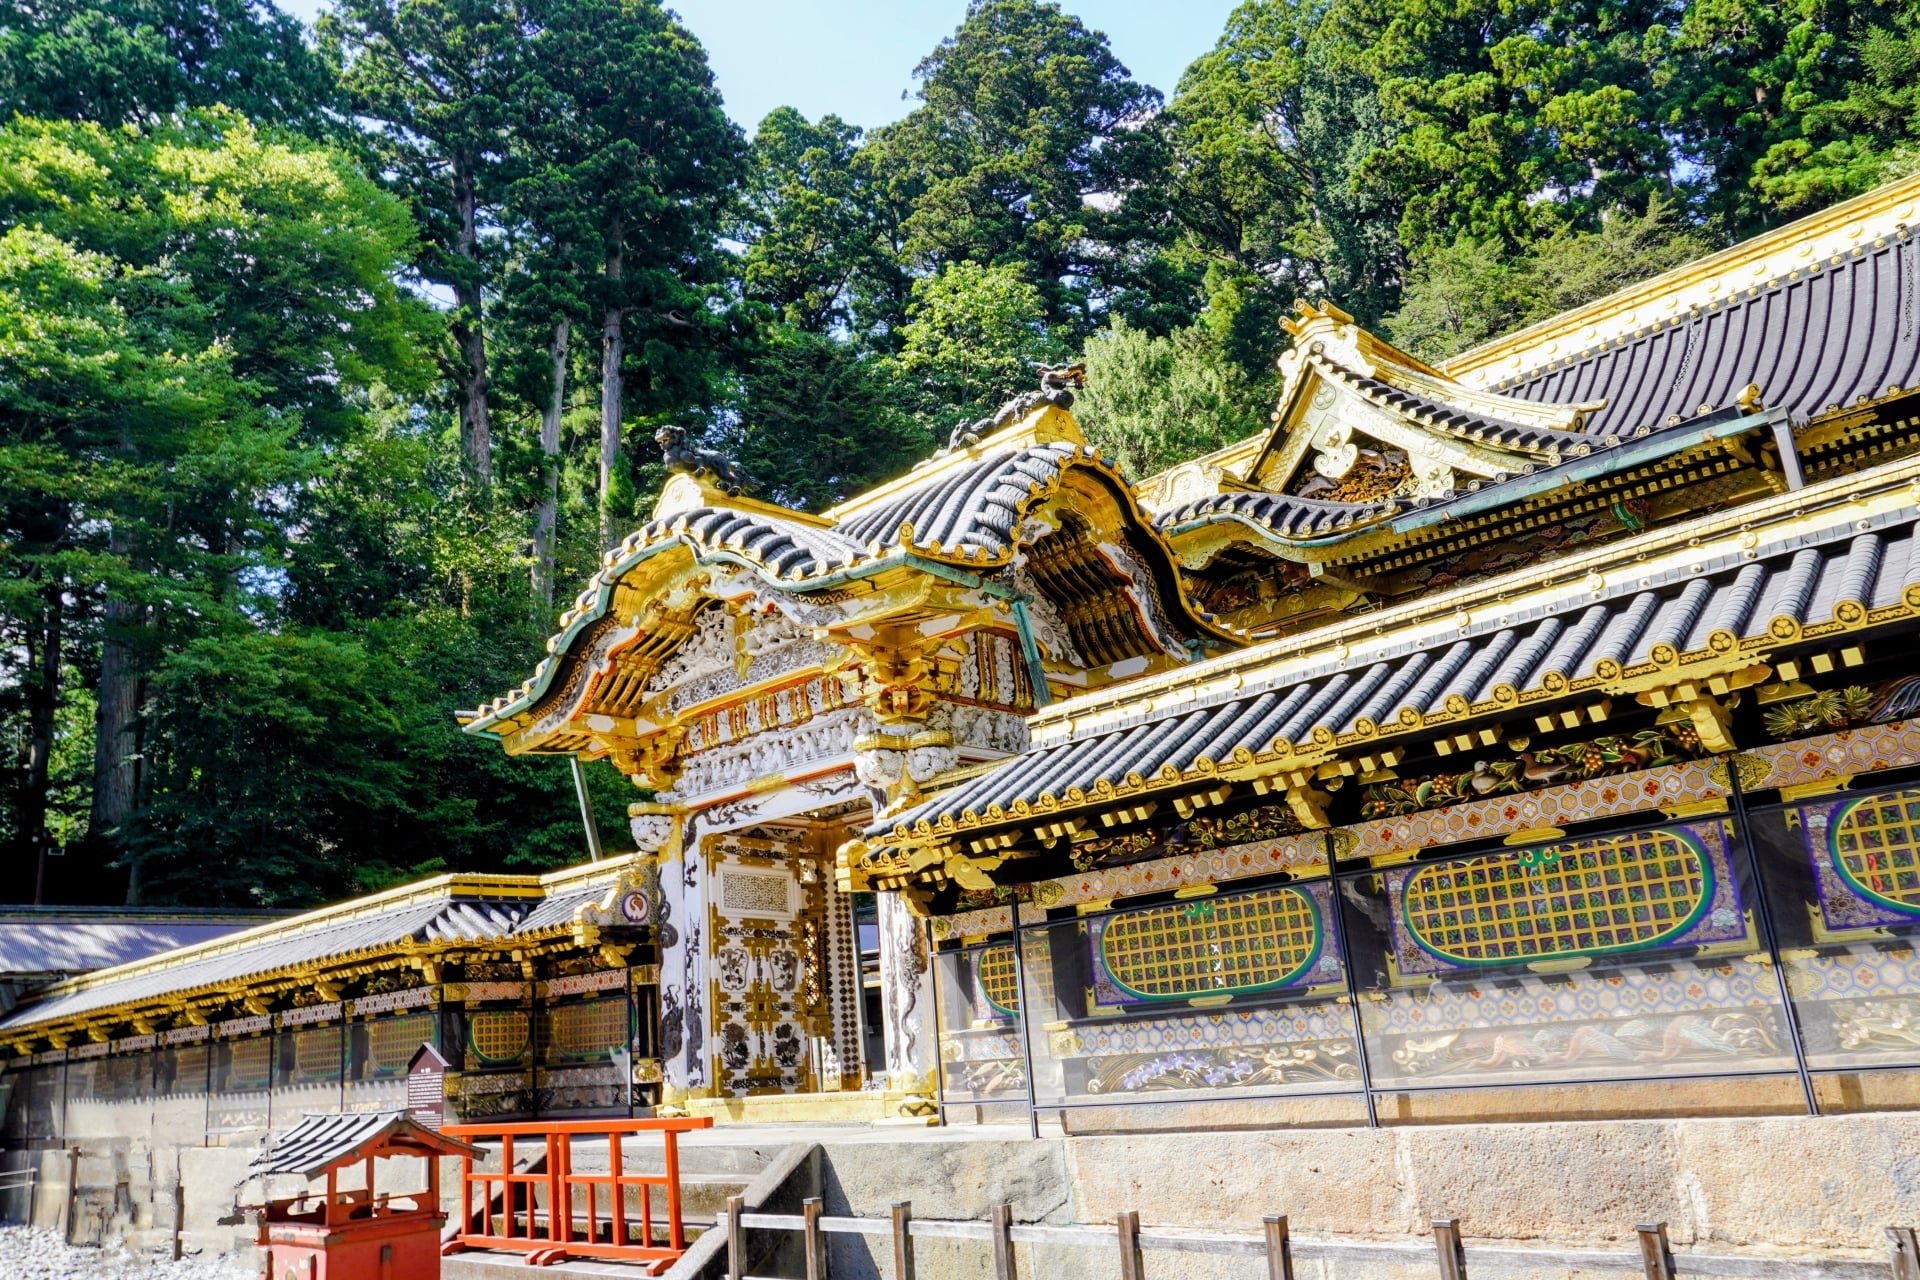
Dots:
(903, 1240)
(1279, 1247)
(1712, 721)
(1003, 1268)
(816, 1243)
(1128, 1224)
(736, 1238)
(1309, 806)
(1655, 1255)
(1905, 1251)
(1446, 1242)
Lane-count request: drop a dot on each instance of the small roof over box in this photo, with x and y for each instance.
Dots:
(322, 1142)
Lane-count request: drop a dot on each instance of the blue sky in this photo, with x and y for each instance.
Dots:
(855, 57)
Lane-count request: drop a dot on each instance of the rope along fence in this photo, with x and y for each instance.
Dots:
(1128, 1243)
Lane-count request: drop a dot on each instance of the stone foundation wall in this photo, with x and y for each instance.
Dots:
(1805, 1186)
(1814, 1185)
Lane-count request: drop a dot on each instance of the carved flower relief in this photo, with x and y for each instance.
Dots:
(651, 831)
(926, 762)
(786, 969)
(879, 769)
(732, 965)
(734, 1053)
(787, 1048)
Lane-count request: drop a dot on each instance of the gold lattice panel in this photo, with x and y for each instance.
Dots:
(1876, 846)
(392, 1042)
(587, 1030)
(249, 1063)
(999, 979)
(1580, 898)
(498, 1035)
(316, 1055)
(1212, 946)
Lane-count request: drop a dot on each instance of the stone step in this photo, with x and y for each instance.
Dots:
(646, 1154)
(506, 1266)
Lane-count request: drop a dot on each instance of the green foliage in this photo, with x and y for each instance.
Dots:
(1026, 121)
(816, 248)
(1469, 292)
(1516, 118)
(973, 337)
(1269, 133)
(437, 75)
(1151, 402)
(1866, 134)
(818, 421)
(1754, 95)
(628, 119)
(143, 60)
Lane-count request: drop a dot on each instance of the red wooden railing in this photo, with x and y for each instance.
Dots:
(542, 1215)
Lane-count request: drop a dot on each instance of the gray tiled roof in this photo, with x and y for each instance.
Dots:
(975, 506)
(1841, 331)
(442, 920)
(1283, 514)
(1299, 519)
(785, 548)
(559, 910)
(58, 942)
(1464, 423)
(321, 1141)
(1806, 584)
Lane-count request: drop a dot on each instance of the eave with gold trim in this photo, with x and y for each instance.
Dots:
(418, 928)
(1675, 627)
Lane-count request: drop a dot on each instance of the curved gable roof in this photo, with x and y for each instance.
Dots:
(963, 510)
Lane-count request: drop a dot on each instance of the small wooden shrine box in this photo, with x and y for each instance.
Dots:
(355, 1234)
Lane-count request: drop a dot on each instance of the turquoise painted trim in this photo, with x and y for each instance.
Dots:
(1709, 886)
(1288, 979)
(1030, 650)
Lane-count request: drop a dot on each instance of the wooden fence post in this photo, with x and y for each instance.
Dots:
(736, 1238)
(1003, 1268)
(1453, 1255)
(1655, 1255)
(1279, 1247)
(73, 1192)
(816, 1243)
(1905, 1248)
(902, 1241)
(1129, 1225)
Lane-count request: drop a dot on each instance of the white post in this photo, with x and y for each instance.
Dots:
(906, 999)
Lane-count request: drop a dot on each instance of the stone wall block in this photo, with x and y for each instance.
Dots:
(1800, 1182)
(1326, 1180)
(1568, 1184)
(947, 1179)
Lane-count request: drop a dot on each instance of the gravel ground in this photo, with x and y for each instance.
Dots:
(30, 1254)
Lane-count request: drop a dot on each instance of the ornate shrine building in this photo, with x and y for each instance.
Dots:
(1537, 733)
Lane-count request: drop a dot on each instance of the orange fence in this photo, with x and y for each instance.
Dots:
(556, 1213)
